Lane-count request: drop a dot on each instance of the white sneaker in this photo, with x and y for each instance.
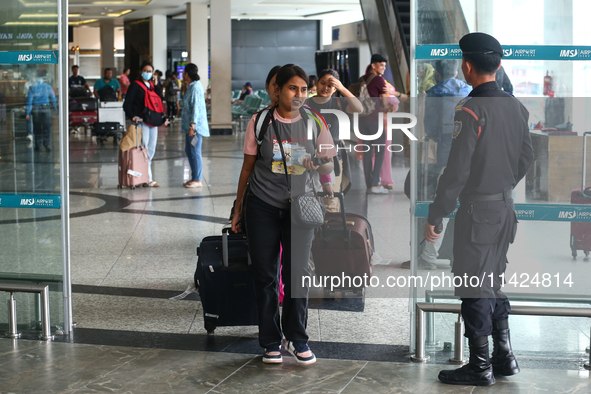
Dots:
(29, 137)
(379, 190)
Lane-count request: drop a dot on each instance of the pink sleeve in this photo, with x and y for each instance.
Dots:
(250, 142)
(325, 148)
(325, 178)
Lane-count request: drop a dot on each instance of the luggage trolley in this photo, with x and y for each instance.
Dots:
(82, 113)
(111, 121)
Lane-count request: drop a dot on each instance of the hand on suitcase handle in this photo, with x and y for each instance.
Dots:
(328, 189)
(341, 198)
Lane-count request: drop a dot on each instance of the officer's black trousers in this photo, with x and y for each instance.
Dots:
(479, 314)
(482, 233)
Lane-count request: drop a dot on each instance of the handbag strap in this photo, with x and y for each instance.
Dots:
(273, 121)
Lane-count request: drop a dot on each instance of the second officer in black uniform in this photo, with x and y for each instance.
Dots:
(491, 152)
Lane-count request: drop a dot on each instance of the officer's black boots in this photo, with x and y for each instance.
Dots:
(503, 361)
(478, 371)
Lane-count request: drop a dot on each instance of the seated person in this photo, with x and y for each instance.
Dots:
(107, 88)
(246, 90)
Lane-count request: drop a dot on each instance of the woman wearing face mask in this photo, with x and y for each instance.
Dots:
(267, 214)
(134, 106)
(328, 84)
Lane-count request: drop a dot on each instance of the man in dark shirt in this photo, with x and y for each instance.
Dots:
(368, 124)
(490, 153)
(77, 81)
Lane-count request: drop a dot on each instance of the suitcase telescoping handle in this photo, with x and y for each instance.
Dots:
(585, 134)
(138, 126)
(225, 232)
(341, 198)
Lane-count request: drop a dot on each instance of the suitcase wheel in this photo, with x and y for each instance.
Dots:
(573, 245)
(133, 188)
(119, 187)
(586, 255)
(210, 325)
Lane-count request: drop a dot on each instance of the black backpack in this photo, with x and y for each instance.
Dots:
(108, 94)
(79, 92)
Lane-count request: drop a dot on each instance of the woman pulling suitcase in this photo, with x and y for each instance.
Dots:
(267, 212)
(137, 110)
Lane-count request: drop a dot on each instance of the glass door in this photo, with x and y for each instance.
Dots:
(546, 66)
(33, 194)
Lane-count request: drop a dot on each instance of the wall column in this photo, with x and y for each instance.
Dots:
(197, 39)
(107, 27)
(158, 42)
(221, 67)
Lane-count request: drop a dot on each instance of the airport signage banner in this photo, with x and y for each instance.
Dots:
(542, 212)
(511, 52)
(29, 57)
(52, 201)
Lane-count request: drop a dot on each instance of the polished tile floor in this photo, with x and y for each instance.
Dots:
(131, 250)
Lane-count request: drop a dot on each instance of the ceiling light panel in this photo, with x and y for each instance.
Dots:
(39, 3)
(118, 14)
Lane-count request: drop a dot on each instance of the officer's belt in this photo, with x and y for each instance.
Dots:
(506, 195)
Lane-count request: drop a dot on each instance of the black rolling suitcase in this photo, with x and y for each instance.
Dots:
(225, 281)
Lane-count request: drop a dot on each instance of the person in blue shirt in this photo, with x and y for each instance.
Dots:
(40, 100)
(440, 104)
(108, 80)
(439, 111)
(194, 123)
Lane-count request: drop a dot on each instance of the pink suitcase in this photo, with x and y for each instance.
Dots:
(133, 166)
(580, 232)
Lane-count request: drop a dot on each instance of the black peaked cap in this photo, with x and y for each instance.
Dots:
(480, 43)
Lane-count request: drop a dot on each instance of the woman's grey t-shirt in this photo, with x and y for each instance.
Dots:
(268, 181)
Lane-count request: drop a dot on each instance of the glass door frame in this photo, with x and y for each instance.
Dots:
(64, 159)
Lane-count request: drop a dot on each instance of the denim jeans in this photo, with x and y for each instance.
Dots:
(194, 156)
(149, 139)
(41, 125)
(267, 227)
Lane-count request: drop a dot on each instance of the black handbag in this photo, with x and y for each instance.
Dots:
(307, 210)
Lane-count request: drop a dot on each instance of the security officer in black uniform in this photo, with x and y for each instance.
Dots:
(491, 152)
